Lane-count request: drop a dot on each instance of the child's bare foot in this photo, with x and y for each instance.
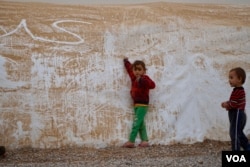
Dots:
(144, 144)
(129, 145)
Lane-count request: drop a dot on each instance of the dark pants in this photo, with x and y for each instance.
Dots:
(2, 150)
(237, 120)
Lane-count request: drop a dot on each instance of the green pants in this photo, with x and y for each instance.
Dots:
(139, 124)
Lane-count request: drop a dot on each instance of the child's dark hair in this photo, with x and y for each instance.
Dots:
(139, 62)
(241, 74)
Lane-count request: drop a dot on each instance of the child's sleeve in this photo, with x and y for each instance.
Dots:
(128, 67)
(146, 82)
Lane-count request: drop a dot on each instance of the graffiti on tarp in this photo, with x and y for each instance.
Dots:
(23, 24)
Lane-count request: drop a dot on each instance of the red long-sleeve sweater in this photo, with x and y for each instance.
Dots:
(237, 99)
(139, 89)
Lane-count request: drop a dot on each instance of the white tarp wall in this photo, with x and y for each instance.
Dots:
(63, 82)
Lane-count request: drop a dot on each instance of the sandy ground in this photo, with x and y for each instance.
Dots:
(207, 154)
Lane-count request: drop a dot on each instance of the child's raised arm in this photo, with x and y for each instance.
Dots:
(128, 67)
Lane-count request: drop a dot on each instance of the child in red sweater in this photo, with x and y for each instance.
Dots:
(236, 110)
(141, 84)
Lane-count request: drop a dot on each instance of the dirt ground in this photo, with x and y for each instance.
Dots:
(207, 153)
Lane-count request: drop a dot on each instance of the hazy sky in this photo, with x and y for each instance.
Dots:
(135, 1)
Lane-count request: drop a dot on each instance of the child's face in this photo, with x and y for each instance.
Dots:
(234, 80)
(138, 70)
